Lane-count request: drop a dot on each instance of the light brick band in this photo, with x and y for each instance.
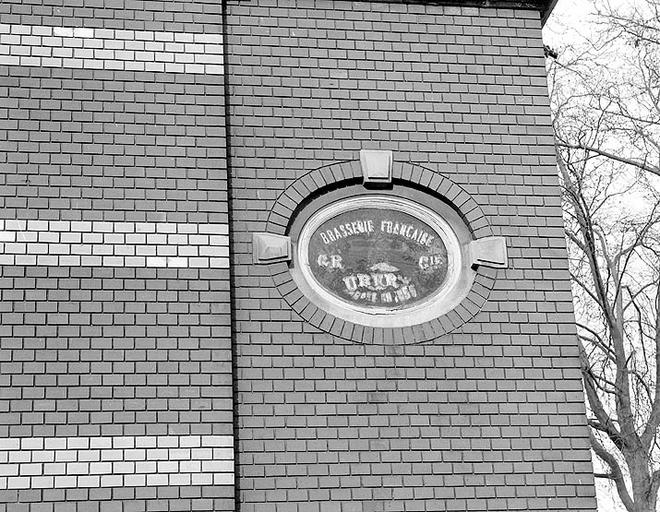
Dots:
(66, 462)
(122, 50)
(113, 244)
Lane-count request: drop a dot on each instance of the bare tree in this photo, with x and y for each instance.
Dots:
(606, 100)
(614, 76)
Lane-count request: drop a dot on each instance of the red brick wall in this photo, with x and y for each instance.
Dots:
(117, 379)
(115, 358)
(489, 417)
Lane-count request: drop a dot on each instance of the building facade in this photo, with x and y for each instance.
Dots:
(283, 256)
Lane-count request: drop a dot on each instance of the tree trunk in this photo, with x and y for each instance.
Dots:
(642, 505)
(640, 477)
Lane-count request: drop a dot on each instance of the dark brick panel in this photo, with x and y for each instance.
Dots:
(93, 351)
(85, 144)
(165, 15)
(137, 499)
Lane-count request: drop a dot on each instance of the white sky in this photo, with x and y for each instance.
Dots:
(568, 18)
(569, 22)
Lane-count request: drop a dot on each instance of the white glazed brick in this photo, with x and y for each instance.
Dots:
(217, 466)
(222, 478)
(43, 456)
(123, 467)
(123, 461)
(202, 479)
(55, 468)
(114, 244)
(89, 481)
(20, 457)
(135, 480)
(168, 441)
(190, 441)
(123, 442)
(167, 467)
(219, 441)
(146, 467)
(112, 455)
(32, 443)
(148, 441)
(89, 455)
(112, 480)
(180, 479)
(54, 443)
(202, 453)
(42, 482)
(32, 469)
(158, 454)
(66, 455)
(93, 48)
(77, 442)
(190, 466)
(157, 479)
(99, 443)
(100, 468)
(19, 482)
(7, 470)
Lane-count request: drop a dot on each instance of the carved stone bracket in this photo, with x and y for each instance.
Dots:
(270, 248)
(376, 167)
(489, 252)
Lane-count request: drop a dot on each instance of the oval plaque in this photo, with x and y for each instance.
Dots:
(378, 260)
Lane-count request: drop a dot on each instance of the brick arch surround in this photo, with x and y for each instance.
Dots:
(314, 184)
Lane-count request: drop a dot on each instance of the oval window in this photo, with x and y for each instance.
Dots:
(380, 261)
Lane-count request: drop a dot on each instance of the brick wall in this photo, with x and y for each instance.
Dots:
(115, 357)
(489, 417)
(117, 380)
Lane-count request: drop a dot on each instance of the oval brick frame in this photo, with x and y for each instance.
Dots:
(341, 174)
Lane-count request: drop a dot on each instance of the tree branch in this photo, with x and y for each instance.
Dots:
(628, 161)
(653, 423)
(605, 423)
(615, 472)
